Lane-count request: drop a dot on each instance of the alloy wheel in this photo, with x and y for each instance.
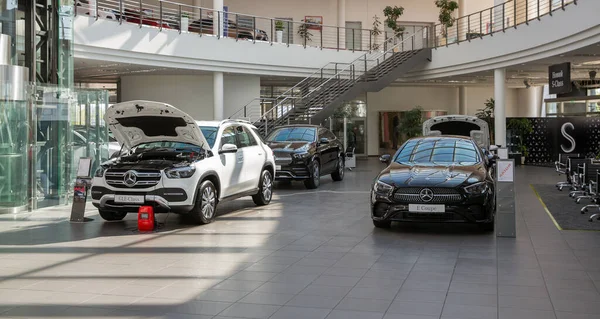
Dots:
(208, 202)
(341, 166)
(316, 173)
(267, 187)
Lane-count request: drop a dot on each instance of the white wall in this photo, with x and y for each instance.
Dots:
(191, 93)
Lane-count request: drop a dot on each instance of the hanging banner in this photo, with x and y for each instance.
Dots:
(559, 77)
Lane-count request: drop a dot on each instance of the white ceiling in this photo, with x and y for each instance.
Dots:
(536, 73)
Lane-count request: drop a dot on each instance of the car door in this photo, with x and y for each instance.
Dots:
(231, 164)
(325, 150)
(253, 158)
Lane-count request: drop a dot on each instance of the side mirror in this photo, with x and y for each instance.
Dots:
(228, 148)
(324, 140)
(385, 159)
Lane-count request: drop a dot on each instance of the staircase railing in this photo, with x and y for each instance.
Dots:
(349, 75)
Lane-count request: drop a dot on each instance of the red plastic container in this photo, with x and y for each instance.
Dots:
(146, 221)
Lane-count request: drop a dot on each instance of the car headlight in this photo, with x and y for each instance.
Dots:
(300, 155)
(99, 172)
(180, 172)
(477, 188)
(382, 188)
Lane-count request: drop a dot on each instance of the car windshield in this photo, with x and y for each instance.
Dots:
(169, 146)
(210, 134)
(438, 151)
(294, 134)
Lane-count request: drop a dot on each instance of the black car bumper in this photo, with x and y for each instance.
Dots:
(294, 171)
(475, 209)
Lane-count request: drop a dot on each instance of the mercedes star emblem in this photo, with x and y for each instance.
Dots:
(130, 178)
(426, 195)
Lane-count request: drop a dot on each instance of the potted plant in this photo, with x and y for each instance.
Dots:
(521, 127)
(447, 7)
(487, 114)
(411, 123)
(185, 22)
(304, 32)
(375, 33)
(279, 31)
(391, 19)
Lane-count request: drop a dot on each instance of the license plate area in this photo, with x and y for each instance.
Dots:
(277, 167)
(426, 209)
(129, 199)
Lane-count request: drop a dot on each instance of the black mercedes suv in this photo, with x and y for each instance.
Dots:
(435, 179)
(305, 153)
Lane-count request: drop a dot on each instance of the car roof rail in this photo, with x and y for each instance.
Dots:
(235, 121)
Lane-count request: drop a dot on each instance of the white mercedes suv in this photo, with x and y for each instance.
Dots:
(176, 164)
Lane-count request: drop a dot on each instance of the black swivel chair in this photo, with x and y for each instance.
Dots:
(588, 179)
(562, 168)
(575, 171)
(593, 191)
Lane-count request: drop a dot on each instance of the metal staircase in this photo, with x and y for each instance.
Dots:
(315, 98)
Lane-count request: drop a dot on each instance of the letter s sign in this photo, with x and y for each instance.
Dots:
(566, 135)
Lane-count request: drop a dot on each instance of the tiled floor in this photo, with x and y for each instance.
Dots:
(307, 255)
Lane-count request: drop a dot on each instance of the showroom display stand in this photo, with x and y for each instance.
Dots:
(505, 198)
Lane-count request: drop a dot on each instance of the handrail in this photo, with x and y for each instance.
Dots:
(168, 15)
(498, 18)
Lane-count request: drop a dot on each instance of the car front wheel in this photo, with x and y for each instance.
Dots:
(110, 216)
(315, 179)
(265, 189)
(338, 175)
(206, 203)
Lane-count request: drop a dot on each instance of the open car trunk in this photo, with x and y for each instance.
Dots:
(460, 125)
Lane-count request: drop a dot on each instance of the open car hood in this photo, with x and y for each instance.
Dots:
(461, 125)
(135, 122)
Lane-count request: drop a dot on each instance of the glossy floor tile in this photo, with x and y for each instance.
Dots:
(309, 254)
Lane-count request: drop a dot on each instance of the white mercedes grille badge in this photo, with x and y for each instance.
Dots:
(426, 195)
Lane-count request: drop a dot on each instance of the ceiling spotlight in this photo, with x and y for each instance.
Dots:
(592, 75)
(527, 85)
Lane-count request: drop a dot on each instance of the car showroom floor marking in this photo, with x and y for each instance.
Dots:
(552, 217)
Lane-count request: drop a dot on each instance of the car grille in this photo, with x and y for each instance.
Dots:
(440, 195)
(282, 158)
(145, 178)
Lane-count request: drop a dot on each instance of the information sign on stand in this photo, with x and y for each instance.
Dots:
(80, 190)
(505, 198)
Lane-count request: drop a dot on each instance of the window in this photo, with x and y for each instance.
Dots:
(438, 151)
(228, 136)
(244, 137)
(255, 130)
(298, 134)
(210, 134)
(329, 135)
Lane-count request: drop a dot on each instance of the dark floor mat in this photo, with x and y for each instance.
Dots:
(565, 211)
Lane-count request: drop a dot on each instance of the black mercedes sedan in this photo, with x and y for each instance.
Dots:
(305, 153)
(435, 179)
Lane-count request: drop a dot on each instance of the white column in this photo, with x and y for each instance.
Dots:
(500, 107)
(218, 95)
(218, 17)
(463, 24)
(197, 4)
(341, 22)
(462, 100)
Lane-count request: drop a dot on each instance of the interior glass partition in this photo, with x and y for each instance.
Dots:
(14, 141)
(573, 106)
